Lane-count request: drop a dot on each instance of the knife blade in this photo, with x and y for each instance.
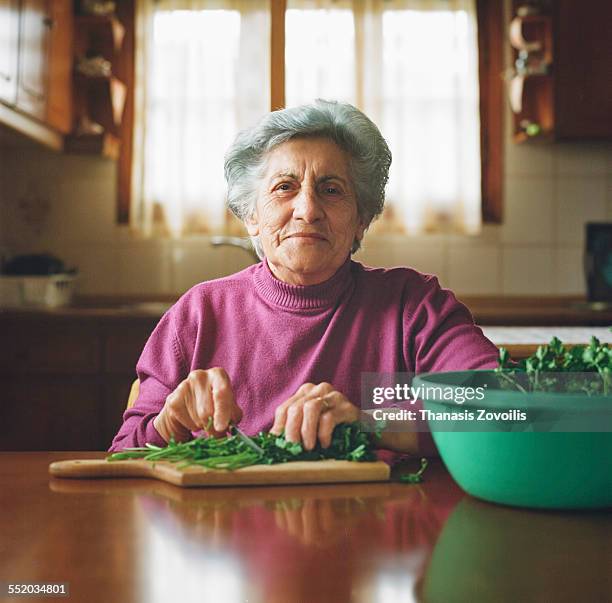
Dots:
(248, 440)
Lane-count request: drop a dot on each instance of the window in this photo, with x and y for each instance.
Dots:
(192, 100)
(312, 36)
(212, 70)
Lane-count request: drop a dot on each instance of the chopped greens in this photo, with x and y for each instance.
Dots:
(534, 373)
(349, 442)
(415, 478)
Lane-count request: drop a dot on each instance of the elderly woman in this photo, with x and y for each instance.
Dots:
(282, 344)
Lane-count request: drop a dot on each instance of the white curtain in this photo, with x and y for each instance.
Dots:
(202, 72)
(412, 67)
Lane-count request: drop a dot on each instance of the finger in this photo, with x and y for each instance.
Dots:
(191, 407)
(312, 410)
(202, 402)
(280, 414)
(280, 419)
(341, 411)
(178, 402)
(176, 411)
(223, 399)
(167, 426)
(293, 426)
(327, 423)
(305, 388)
(322, 389)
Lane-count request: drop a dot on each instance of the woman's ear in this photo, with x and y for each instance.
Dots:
(360, 231)
(252, 225)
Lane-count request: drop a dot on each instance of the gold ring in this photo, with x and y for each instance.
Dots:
(325, 403)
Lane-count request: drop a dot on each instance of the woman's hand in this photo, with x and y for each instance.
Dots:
(205, 394)
(312, 413)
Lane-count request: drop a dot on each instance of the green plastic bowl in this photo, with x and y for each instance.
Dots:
(509, 463)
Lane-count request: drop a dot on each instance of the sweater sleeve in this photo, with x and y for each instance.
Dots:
(442, 336)
(160, 369)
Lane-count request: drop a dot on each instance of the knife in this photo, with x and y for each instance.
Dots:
(247, 440)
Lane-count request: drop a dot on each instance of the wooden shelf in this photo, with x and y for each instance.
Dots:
(544, 137)
(537, 97)
(102, 99)
(573, 101)
(31, 128)
(103, 145)
(101, 34)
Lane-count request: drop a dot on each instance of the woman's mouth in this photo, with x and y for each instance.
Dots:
(307, 237)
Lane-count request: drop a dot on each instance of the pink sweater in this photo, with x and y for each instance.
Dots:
(271, 337)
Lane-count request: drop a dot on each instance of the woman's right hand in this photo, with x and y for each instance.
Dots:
(203, 395)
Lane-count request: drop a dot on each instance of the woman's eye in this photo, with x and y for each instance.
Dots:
(331, 190)
(285, 186)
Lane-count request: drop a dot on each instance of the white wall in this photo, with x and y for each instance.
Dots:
(550, 192)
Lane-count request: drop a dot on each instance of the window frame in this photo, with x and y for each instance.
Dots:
(490, 68)
(490, 17)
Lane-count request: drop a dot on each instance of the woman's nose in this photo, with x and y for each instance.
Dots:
(307, 205)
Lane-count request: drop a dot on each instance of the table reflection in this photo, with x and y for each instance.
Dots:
(351, 542)
(488, 552)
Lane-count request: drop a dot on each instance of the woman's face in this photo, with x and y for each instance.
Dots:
(306, 213)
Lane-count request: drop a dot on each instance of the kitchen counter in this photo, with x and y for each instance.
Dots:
(542, 335)
(524, 341)
(537, 311)
(104, 309)
(146, 541)
(487, 310)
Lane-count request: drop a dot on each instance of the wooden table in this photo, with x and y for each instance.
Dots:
(125, 541)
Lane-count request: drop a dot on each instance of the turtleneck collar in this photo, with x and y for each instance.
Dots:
(303, 297)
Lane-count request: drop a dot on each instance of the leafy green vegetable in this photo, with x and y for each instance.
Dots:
(349, 442)
(415, 478)
(530, 374)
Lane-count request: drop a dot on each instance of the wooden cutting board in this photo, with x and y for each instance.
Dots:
(298, 472)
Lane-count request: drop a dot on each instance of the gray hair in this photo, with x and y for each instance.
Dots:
(342, 123)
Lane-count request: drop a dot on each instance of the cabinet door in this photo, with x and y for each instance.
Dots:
(48, 348)
(583, 70)
(9, 41)
(33, 57)
(59, 97)
(51, 413)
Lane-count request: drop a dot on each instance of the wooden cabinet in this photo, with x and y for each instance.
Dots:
(36, 41)
(99, 97)
(57, 348)
(66, 380)
(9, 45)
(49, 90)
(561, 85)
(583, 72)
(34, 25)
(49, 412)
(59, 96)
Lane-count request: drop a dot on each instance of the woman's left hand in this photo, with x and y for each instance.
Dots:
(312, 413)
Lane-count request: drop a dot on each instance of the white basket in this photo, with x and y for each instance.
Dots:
(51, 291)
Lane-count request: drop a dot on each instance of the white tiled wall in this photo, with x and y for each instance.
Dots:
(550, 192)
